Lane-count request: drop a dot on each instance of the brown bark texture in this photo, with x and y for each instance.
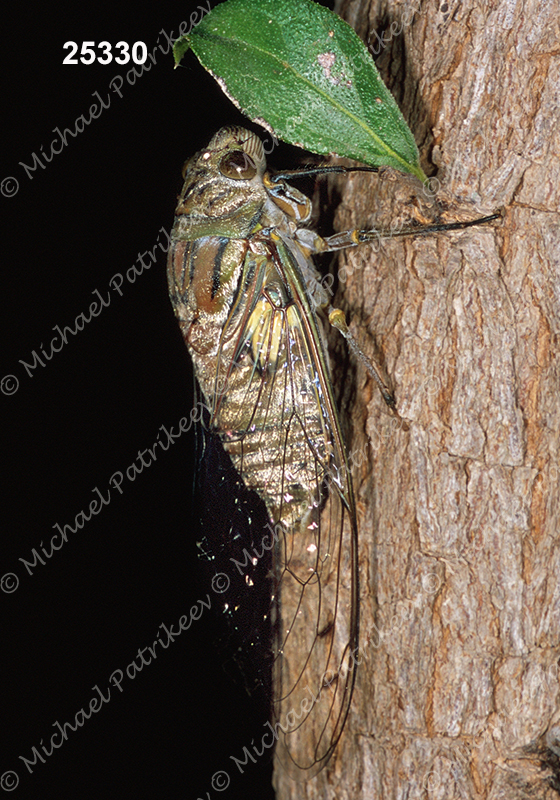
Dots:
(457, 694)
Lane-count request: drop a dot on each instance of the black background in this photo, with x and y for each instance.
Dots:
(85, 415)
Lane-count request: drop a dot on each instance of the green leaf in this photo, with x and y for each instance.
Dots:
(180, 48)
(302, 72)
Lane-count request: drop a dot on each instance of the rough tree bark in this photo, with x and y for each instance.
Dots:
(457, 691)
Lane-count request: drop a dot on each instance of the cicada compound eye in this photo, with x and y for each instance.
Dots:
(239, 166)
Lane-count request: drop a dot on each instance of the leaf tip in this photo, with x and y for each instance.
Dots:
(179, 49)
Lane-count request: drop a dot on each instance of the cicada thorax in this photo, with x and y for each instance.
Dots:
(239, 276)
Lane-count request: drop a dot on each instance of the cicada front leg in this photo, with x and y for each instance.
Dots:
(353, 238)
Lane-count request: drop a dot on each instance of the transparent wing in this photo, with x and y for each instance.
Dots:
(272, 406)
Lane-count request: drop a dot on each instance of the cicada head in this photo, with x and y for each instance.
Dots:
(223, 193)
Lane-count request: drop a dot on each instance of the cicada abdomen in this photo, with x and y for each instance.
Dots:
(247, 298)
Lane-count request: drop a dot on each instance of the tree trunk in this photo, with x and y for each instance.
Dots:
(457, 689)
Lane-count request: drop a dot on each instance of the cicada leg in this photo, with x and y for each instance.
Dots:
(337, 319)
(353, 238)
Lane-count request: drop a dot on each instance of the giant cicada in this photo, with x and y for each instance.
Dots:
(251, 305)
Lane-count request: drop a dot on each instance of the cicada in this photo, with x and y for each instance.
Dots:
(251, 307)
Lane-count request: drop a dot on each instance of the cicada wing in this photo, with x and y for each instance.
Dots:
(273, 404)
(317, 610)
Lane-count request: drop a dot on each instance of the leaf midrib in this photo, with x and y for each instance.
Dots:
(239, 43)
